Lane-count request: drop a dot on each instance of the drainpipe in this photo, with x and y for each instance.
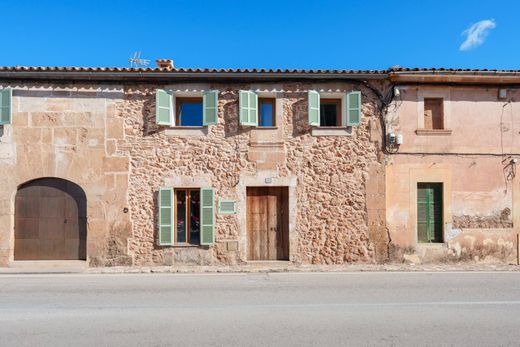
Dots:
(517, 249)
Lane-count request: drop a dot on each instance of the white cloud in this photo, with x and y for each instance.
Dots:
(477, 33)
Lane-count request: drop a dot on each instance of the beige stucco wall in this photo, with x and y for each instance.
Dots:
(480, 192)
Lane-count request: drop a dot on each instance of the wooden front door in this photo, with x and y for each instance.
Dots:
(268, 223)
(50, 221)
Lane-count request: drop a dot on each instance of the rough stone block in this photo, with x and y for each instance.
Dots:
(7, 150)
(20, 119)
(115, 128)
(46, 119)
(59, 104)
(115, 164)
(65, 136)
(27, 136)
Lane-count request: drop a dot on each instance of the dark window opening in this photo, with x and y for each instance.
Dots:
(330, 112)
(189, 112)
(266, 112)
(187, 216)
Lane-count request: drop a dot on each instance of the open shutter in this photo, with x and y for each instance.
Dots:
(248, 104)
(6, 95)
(353, 108)
(207, 213)
(210, 107)
(165, 216)
(163, 107)
(314, 108)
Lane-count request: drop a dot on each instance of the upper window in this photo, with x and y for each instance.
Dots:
(266, 112)
(330, 112)
(189, 112)
(433, 113)
(187, 216)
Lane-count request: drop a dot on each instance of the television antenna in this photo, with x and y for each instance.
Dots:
(136, 61)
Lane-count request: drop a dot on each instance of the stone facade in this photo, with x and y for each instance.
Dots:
(348, 199)
(105, 139)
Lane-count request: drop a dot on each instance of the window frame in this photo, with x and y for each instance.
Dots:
(339, 104)
(272, 101)
(186, 216)
(441, 110)
(182, 99)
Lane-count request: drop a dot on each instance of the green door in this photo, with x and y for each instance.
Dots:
(429, 212)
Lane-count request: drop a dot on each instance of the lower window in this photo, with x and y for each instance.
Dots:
(187, 216)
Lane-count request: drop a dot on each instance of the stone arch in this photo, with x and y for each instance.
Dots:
(50, 220)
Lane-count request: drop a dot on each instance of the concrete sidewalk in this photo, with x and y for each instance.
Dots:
(42, 267)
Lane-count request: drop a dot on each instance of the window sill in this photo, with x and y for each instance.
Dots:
(185, 245)
(331, 131)
(433, 132)
(186, 131)
(266, 128)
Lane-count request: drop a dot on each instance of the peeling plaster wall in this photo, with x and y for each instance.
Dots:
(480, 195)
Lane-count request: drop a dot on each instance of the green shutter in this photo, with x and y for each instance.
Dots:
(163, 107)
(314, 108)
(248, 104)
(353, 108)
(207, 213)
(165, 216)
(227, 207)
(6, 96)
(210, 107)
(429, 212)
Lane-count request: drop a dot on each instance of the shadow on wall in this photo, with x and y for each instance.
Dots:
(299, 118)
(150, 127)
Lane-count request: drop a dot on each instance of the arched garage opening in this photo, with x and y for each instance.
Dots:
(50, 221)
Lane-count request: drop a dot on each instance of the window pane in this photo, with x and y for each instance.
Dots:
(328, 114)
(181, 215)
(266, 114)
(195, 217)
(190, 113)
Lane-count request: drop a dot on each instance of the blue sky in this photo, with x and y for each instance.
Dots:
(262, 34)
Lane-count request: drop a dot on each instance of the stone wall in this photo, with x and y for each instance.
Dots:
(105, 139)
(330, 224)
(66, 131)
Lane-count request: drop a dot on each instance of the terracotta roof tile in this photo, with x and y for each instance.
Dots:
(181, 70)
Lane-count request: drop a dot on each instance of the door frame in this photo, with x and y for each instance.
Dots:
(259, 180)
(439, 175)
(282, 222)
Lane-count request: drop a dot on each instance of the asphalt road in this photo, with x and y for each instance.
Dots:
(291, 309)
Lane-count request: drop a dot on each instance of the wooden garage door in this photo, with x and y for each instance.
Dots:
(268, 223)
(50, 221)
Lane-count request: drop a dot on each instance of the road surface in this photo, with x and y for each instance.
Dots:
(277, 309)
